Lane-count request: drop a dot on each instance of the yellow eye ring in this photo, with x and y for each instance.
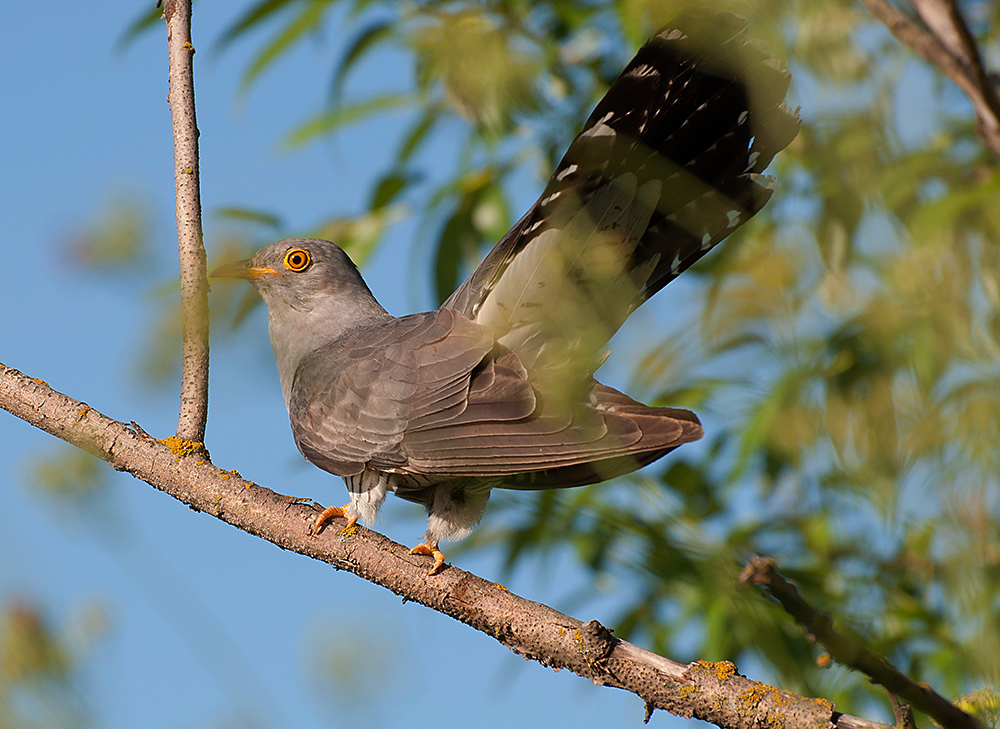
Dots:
(297, 260)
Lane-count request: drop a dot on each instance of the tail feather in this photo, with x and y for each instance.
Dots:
(666, 167)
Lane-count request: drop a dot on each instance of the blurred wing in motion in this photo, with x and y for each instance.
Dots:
(666, 167)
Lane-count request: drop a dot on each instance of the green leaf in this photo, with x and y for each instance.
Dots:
(366, 40)
(984, 704)
(456, 235)
(256, 15)
(248, 303)
(491, 213)
(250, 216)
(332, 119)
(140, 25)
(390, 187)
(419, 133)
(757, 431)
(309, 19)
(361, 234)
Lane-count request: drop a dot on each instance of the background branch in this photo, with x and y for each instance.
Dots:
(714, 692)
(951, 47)
(190, 246)
(762, 571)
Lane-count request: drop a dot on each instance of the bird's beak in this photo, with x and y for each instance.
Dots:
(242, 269)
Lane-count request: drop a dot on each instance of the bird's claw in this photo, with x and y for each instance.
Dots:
(431, 551)
(330, 512)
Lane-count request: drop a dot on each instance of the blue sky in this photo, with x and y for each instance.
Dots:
(209, 626)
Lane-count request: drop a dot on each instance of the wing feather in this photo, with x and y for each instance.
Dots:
(353, 400)
(666, 167)
(403, 397)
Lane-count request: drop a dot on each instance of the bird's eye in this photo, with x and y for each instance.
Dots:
(297, 260)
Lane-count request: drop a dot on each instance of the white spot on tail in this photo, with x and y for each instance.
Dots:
(600, 129)
(566, 172)
(643, 70)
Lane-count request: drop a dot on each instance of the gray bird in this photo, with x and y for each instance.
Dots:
(495, 389)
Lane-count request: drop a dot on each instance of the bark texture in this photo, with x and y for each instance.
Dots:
(191, 250)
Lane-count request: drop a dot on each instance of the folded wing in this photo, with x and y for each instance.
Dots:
(432, 396)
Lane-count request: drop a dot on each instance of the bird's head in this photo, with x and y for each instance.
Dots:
(314, 295)
(301, 274)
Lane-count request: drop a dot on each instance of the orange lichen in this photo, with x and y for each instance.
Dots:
(500, 587)
(79, 416)
(825, 704)
(722, 670)
(183, 448)
(749, 699)
(689, 692)
(768, 707)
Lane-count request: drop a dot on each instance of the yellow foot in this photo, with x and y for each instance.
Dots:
(431, 550)
(330, 512)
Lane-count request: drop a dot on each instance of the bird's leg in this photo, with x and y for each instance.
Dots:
(431, 550)
(330, 512)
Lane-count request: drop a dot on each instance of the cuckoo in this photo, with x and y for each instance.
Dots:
(496, 388)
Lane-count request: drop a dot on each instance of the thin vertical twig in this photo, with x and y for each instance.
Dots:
(191, 250)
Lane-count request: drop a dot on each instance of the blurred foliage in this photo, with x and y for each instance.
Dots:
(350, 666)
(984, 705)
(67, 473)
(40, 665)
(116, 242)
(844, 353)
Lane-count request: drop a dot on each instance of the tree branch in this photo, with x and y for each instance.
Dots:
(762, 571)
(966, 69)
(945, 20)
(715, 692)
(190, 246)
(974, 62)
